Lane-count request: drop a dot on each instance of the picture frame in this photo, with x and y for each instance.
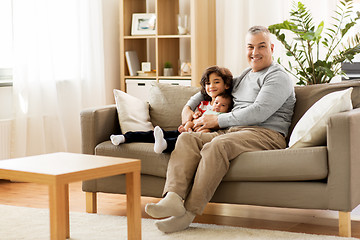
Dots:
(143, 24)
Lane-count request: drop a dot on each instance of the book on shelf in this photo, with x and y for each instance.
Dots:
(132, 61)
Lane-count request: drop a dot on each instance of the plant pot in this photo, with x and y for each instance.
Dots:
(168, 72)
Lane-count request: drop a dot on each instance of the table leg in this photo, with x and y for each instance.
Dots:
(59, 211)
(133, 193)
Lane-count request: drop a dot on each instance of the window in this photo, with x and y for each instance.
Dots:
(6, 43)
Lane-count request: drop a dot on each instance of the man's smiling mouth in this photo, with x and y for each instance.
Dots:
(256, 58)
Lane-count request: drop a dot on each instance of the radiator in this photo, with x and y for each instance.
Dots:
(5, 138)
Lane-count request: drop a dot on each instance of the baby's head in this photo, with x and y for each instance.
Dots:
(223, 103)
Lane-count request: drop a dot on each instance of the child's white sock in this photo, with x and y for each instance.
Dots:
(160, 143)
(117, 139)
(170, 205)
(175, 224)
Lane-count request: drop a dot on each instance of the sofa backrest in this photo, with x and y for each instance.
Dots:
(306, 96)
(166, 101)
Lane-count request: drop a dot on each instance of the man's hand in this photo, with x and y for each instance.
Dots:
(206, 122)
(186, 114)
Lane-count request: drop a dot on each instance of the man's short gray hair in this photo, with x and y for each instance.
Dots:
(258, 29)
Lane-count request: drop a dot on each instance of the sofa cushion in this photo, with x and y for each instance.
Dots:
(151, 163)
(133, 113)
(306, 96)
(311, 128)
(300, 164)
(271, 165)
(166, 103)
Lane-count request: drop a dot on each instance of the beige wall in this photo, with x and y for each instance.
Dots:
(111, 48)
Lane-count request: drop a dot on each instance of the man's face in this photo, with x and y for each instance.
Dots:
(259, 51)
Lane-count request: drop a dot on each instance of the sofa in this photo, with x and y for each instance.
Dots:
(315, 177)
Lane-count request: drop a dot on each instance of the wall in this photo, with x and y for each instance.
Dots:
(111, 48)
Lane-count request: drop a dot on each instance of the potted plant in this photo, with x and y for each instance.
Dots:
(311, 67)
(168, 70)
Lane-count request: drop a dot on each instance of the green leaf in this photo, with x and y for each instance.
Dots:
(282, 37)
(319, 30)
(287, 25)
(331, 30)
(347, 27)
(304, 46)
(309, 36)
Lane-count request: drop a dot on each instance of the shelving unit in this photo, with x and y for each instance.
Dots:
(166, 44)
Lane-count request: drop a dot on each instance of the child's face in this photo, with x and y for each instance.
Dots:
(221, 104)
(215, 86)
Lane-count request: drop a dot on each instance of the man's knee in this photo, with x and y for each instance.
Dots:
(217, 144)
(185, 136)
(221, 141)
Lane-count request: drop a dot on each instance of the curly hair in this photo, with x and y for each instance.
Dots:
(222, 72)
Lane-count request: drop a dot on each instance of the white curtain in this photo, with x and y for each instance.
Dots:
(58, 70)
(235, 17)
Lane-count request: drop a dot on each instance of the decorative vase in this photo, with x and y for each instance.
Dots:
(168, 72)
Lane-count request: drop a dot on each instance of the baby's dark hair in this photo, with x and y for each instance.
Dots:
(222, 72)
(227, 95)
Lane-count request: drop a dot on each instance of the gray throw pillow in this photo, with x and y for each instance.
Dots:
(166, 103)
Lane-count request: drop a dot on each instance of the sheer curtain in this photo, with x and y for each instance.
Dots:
(235, 17)
(58, 70)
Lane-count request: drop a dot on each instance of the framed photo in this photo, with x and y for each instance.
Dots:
(143, 24)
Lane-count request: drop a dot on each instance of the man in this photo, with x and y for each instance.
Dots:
(263, 106)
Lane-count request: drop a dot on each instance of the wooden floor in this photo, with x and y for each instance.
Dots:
(292, 220)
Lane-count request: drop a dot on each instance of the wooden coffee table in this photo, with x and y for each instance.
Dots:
(59, 169)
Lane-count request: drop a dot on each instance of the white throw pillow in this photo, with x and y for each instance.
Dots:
(133, 113)
(311, 128)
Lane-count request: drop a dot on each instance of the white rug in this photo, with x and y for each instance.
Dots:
(30, 223)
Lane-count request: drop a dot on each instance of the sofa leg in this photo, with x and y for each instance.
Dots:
(91, 205)
(344, 224)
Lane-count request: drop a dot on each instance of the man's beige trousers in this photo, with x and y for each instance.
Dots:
(201, 160)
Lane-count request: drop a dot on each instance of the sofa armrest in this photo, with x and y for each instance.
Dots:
(97, 124)
(343, 142)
